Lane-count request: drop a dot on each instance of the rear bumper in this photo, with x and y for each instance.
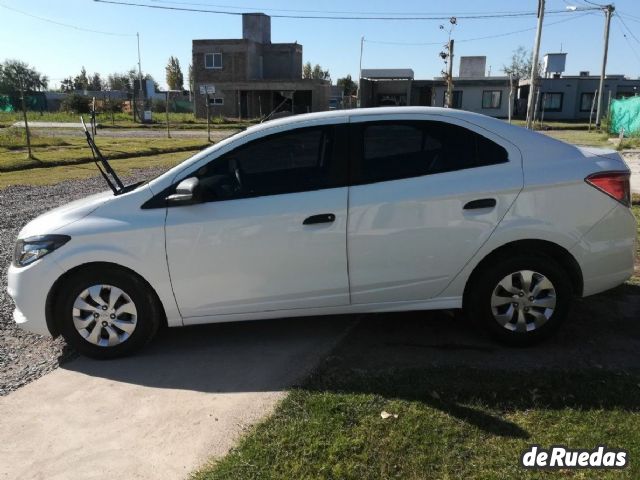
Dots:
(606, 253)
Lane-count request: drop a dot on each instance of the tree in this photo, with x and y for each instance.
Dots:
(81, 82)
(66, 85)
(347, 85)
(17, 77)
(307, 70)
(175, 79)
(119, 81)
(96, 82)
(316, 72)
(520, 66)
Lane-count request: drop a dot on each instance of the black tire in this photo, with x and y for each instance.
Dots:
(147, 316)
(478, 295)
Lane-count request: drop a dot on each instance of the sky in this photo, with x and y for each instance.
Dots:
(60, 51)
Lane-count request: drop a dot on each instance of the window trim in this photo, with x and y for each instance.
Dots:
(559, 109)
(499, 99)
(356, 150)
(213, 60)
(339, 158)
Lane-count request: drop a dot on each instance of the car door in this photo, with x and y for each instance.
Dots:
(426, 194)
(271, 231)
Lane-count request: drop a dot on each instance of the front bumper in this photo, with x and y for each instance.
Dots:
(28, 287)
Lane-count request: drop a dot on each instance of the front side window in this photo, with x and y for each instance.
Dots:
(300, 160)
(213, 60)
(552, 101)
(491, 98)
(394, 150)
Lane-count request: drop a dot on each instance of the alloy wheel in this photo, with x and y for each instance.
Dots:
(104, 315)
(523, 301)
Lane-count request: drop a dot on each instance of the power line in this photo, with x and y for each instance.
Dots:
(350, 12)
(335, 17)
(514, 32)
(627, 28)
(75, 27)
(627, 39)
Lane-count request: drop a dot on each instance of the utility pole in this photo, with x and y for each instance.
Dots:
(23, 104)
(450, 76)
(166, 111)
(141, 96)
(534, 65)
(358, 101)
(608, 12)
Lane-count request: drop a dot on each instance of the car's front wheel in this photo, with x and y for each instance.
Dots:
(105, 312)
(520, 299)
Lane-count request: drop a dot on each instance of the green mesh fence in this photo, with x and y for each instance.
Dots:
(625, 114)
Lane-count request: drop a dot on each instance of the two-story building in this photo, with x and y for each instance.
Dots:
(252, 77)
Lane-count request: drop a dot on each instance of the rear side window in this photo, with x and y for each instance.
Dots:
(394, 150)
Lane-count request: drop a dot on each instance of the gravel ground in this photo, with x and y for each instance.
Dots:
(25, 357)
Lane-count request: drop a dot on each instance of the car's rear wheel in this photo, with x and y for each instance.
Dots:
(105, 312)
(520, 299)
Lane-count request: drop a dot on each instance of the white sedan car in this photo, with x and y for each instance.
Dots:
(371, 210)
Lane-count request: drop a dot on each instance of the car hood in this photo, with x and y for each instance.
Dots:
(59, 217)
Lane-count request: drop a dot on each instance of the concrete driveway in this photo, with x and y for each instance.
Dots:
(163, 413)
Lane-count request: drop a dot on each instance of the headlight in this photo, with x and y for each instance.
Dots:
(28, 250)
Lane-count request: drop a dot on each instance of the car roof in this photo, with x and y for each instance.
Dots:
(360, 112)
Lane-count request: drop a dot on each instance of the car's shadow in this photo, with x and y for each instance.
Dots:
(230, 357)
(390, 354)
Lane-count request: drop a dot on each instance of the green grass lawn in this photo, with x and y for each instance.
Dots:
(125, 120)
(581, 137)
(62, 150)
(124, 167)
(456, 418)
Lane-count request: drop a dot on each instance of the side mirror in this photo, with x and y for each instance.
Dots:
(187, 192)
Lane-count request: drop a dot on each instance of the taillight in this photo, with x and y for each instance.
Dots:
(614, 184)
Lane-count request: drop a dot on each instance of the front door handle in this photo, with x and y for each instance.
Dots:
(321, 218)
(481, 203)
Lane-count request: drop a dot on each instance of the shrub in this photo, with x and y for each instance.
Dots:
(159, 106)
(114, 106)
(76, 104)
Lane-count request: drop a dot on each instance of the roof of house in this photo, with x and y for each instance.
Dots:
(387, 73)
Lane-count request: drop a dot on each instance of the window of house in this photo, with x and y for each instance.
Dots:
(216, 101)
(586, 100)
(213, 60)
(295, 161)
(491, 98)
(457, 99)
(551, 101)
(403, 149)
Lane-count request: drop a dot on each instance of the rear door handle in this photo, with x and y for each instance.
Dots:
(481, 203)
(321, 218)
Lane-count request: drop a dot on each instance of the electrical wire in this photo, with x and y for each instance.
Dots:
(336, 17)
(497, 35)
(75, 27)
(627, 28)
(637, 55)
(350, 12)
